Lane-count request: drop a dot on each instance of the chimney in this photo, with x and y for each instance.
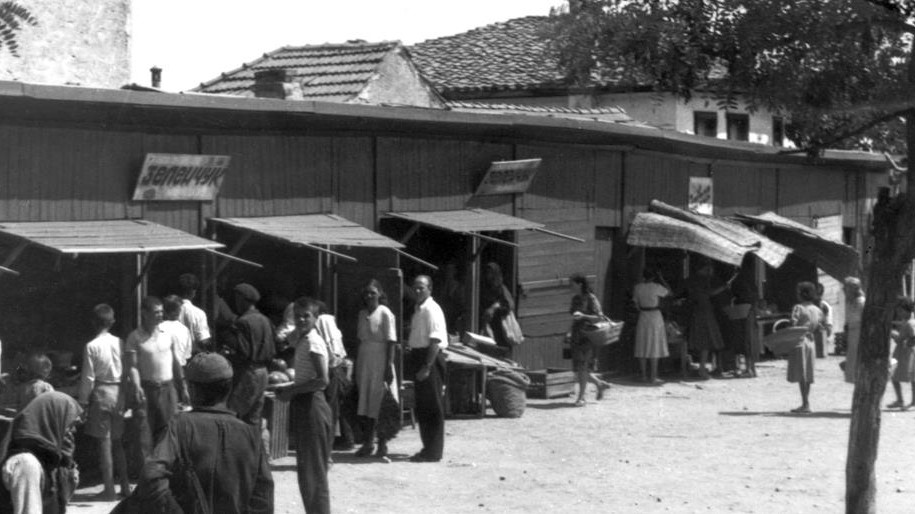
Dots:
(156, 76)
(269, 84)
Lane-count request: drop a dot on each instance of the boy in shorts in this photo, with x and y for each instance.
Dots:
(99, 394)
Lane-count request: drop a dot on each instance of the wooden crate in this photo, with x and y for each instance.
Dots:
(465, 392)
(550, 383)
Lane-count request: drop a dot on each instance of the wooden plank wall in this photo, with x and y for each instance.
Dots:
(808, 192)
(650, 176)
(744, 188)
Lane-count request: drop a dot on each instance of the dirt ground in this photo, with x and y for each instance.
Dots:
(723, 445)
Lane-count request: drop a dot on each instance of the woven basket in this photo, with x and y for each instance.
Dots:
(507, 399)
(786, 340)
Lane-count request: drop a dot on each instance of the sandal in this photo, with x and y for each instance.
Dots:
(365, 451)
(896, 405)
(580, 402)
(803, 409)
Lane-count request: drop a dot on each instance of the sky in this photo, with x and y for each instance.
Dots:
(195, 40)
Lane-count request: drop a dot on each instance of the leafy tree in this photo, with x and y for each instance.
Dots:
(12, 19)
(841, 69)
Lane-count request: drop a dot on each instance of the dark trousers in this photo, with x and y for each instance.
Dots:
(313, 435)
(247, 398)
(161, 405)
(430, 408)
(336, 390)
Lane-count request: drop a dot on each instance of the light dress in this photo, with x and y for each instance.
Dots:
(375, 329)
(800, 360)
(650, 334)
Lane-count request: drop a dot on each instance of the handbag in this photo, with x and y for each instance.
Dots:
(512, 329)
(603, 332)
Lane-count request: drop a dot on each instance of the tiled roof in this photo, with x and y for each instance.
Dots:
(606, 114)
(326, 72)
(510, 55)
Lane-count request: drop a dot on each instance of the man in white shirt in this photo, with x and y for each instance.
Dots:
(152, 364)
(100, 384)
(193, 317)
(172, 308)
(428, 336)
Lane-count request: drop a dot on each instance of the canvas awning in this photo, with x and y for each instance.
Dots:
(835, 258)
(474, 221)
(316, 231)
(653, 230)
(769, 251)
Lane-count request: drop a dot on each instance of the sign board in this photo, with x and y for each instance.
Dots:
(507, 177)
(700, 195)
(167, 176)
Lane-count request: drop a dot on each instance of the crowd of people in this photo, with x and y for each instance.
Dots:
(191, 396)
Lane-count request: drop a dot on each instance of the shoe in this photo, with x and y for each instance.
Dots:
(603, 386)
(896, 405)
(803, 409)
(656, 382)
(422, 457)
(365, 450)
(580, 402)
(382, 450)
(342, 446)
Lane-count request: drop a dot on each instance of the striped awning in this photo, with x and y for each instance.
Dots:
(108, 236)
(311, 230)
(835, 258)
(474, 221)
(769, 251)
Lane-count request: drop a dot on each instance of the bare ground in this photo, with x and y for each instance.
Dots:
(725, 445)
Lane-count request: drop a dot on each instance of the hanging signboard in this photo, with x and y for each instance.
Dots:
(700, 195)
(507, 177)
(180, 177)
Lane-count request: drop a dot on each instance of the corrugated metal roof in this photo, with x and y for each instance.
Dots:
(312, 229)
(467, 221)
(109, 236)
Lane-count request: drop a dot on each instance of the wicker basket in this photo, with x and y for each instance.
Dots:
(786, 340)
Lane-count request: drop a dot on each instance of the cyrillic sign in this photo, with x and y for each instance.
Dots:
(167, 176)
(506, 177)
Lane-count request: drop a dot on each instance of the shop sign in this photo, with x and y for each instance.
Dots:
(700, 195)
(507, 177)
(183, 177)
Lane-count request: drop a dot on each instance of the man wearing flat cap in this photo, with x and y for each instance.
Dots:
(209, 446)
(250, 345)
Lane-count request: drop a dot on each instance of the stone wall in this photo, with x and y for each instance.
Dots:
(76, 42)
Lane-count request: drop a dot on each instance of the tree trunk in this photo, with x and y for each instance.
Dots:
(893, 245)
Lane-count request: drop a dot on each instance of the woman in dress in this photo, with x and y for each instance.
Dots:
(704, 332)
(800, 360)
(585, 309)
(375, 370)
(854, 308)
(496, 303)
(904, 353)
(650, 334)
(38, 470)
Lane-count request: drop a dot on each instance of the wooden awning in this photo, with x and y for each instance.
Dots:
(653, 230)
(835, 258)
(109, 236)
(474, 221)
(769, 251)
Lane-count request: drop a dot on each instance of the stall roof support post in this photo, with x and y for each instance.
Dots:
(559, 234)
(150, 258)
(492, 239)
(11, 258)
(410, 233)
(417, 259)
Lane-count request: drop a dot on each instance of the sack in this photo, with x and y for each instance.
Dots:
(603, 332)
(512, 329)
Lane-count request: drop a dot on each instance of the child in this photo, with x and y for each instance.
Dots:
(37, 369)
(904, 352)
(800, 360)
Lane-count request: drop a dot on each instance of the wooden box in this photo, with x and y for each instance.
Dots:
(465, 392)
(550, 383)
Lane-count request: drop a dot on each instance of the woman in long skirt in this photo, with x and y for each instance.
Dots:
(800, 360)
(650, 334)
(375, 369)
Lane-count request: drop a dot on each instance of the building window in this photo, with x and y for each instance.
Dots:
(738, 127)
(778, 131)
(705, 124)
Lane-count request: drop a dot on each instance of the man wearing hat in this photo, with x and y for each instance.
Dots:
(209, 446)
(250, 346)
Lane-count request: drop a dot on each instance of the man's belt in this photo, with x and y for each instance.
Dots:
(107, 383)
(153, 383)
(648, 309)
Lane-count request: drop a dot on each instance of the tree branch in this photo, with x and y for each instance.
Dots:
(847, 134)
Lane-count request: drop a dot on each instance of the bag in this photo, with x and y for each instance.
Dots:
(603, 332)
(512, 329)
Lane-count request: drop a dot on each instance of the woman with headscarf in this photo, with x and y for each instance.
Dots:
(38, 471)
(496, 302)
(854, 308)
